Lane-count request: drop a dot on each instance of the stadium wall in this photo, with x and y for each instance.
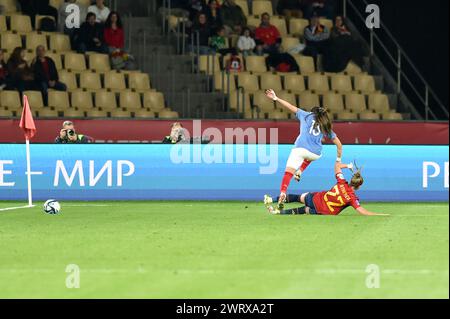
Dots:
(213, 172)
(146, 131)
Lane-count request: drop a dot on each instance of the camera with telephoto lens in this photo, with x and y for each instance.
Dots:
(70, 133)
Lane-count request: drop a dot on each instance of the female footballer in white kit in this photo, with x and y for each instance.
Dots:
(314, 126)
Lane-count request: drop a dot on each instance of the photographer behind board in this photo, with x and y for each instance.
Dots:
(68, 135)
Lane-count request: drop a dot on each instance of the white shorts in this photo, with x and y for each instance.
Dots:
(298, 155)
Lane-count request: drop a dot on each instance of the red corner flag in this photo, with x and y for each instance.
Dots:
(26, 121)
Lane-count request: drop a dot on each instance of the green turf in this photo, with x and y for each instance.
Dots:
(222, 250)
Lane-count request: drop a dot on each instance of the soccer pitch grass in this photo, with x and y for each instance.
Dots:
(222, 250)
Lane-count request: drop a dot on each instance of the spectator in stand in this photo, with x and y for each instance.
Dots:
(90, 36)
(63, 14)
(219, 43)
(267, 36)
(290, 8)
(339, 28)
(35, 7)
(45, 73)
(213, 13)
(316, 36)
(21, 75)
(101, 11)
(342, 48)
(3, 71)
(196, 7)
(113, 33)
(200, 31)
(232, 17)
(320, 8)
(246, 44)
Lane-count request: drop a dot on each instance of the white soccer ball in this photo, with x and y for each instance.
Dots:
(52, 207)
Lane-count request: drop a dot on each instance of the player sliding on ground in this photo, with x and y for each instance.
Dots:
(331, 202)
(314, 126)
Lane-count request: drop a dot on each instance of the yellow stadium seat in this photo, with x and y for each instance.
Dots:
(240, 101)
(96, 113)
(352, 68)
(271, 81)
(3, 26)
(34, 99)
(379, 103)
(6, 113)
(244, 6)
(355, 102)
(81, 100)
(327, 23)
(56, 57)
(253, 22)
(392, 116)
(69, 79)
(369, 116)
(58, 100)
(30, 57)
(306, 64)
(294, 83)
(38, 19)
(21, 23)
(278, 115)
(165, 114)
(105, 100)
(142, 114)
(347, 116)
(365, 83)
(289, 97)
(256, 63)
(297, 26)
(115, 81)
(9, 6)
(334, 102)
(154, 101)
(56, 3)
(262, 6)
(248, 81)
(130, 100)
(308, 100)
(223, 82)
(209, 64)
(10, 41)
(318, 83)
(74, 62)
(99, 62)
(120, 114)
(280, 24)
(47, 113)
(139, 82)
(288, 43)
(84, 2)
(35, 39)
(73, 113)
(341, 83)
(265, 104)
(60, 43)
(10, 99)
(90, 81)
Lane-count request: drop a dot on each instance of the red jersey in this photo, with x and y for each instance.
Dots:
(114, 37)
(337, 199)
(268, 35)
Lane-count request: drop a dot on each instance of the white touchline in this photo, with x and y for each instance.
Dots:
(14, 208)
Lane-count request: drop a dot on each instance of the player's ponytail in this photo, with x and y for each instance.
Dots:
(357, 179)
(323, 120)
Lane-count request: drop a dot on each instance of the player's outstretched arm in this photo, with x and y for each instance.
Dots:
(271, 95)
(338, 144)
(338, 166)
(365, 212)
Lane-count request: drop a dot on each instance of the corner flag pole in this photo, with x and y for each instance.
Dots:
(29, 129)
(30, 194)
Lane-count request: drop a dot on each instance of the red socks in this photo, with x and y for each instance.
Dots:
(305, 164)
(286, 180)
